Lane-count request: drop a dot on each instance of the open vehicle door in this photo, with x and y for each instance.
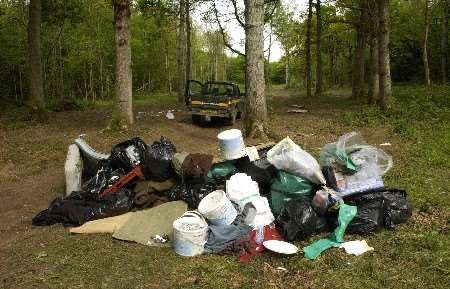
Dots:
(193, 88)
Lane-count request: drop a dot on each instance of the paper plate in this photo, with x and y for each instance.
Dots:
(280, 247)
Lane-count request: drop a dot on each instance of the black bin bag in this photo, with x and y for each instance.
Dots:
(298, 220)
(158, 162)
(378, 209)
(192, 190)
(128, 154)
(81, 207)
(397, 209)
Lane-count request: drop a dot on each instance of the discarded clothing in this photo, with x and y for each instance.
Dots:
(196, 165)
(346, 214)
(145, 224)
(158, 162)
(80, 207)
(151, 193)
(177, 162)
(192, 191)
(297, 221)
(219, 237)
(356, 247)
(106, 225)
(239, 247)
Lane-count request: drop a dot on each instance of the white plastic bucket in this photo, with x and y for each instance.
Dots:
(217, 208)
(231, 144)
(190, 233)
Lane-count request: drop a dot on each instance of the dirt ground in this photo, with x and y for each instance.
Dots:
(32, 174)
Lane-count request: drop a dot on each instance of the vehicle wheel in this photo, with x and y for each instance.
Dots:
(196, 119)
(232, 118)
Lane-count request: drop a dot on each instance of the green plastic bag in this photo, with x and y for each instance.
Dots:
(330, 156)
(346, 214)
(222, 170)
(286, 187)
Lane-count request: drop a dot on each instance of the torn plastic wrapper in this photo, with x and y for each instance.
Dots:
(289, 157)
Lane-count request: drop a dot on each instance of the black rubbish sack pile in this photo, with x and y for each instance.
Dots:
(80, 207)
(383, 208)
(280, 192)
(192, 191)
(158, 163)
(297, 220)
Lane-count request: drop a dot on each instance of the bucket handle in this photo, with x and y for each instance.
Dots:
(193, 214)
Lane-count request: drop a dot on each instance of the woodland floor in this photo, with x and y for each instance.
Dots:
(414, 255)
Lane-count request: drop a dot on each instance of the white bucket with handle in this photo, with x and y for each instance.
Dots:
(217, 208)
(231, 144)
(190, 233)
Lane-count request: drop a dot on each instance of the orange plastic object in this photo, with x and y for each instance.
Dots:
(135, 173)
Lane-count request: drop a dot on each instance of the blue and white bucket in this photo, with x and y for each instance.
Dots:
(190, 233)
(231, 144)
(217, 208)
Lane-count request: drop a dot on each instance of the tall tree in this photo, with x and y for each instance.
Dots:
(181, 50)
(36, 102)
(188, 40)
(123, 102)
(425, 43)
(374, 76)
(383, 53)
(255, 100)
(358, 72)
(444, 41)
(308, 50)
(318, 49)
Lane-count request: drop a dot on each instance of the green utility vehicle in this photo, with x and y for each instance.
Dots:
(213, 99)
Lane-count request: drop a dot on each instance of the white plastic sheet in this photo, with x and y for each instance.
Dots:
(289, 157)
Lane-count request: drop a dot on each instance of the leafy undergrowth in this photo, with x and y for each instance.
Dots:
(414, 255)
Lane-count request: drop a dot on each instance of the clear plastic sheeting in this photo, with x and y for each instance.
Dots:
(289, 157)
(351, 152)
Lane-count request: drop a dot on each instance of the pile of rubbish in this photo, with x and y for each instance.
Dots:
(255, 198)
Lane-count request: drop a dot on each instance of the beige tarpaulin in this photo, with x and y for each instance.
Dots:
(106, 225)
(142, 225)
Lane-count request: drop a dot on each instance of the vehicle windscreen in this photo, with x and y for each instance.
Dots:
(217, 89)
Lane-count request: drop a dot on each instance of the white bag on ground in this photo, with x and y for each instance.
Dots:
(73, 169)
(262, 214)
(241, 188)
(289, 157)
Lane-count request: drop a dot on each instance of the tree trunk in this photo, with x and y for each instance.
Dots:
(123, 106)
(425, 42)
(255, 100)
(188, 40)
(36, 101)
(383, 54)
(181, 51)
(444, 42)
(308, 50)
(286, 70)
(358, 74)
(374, 78)
(318, 50)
